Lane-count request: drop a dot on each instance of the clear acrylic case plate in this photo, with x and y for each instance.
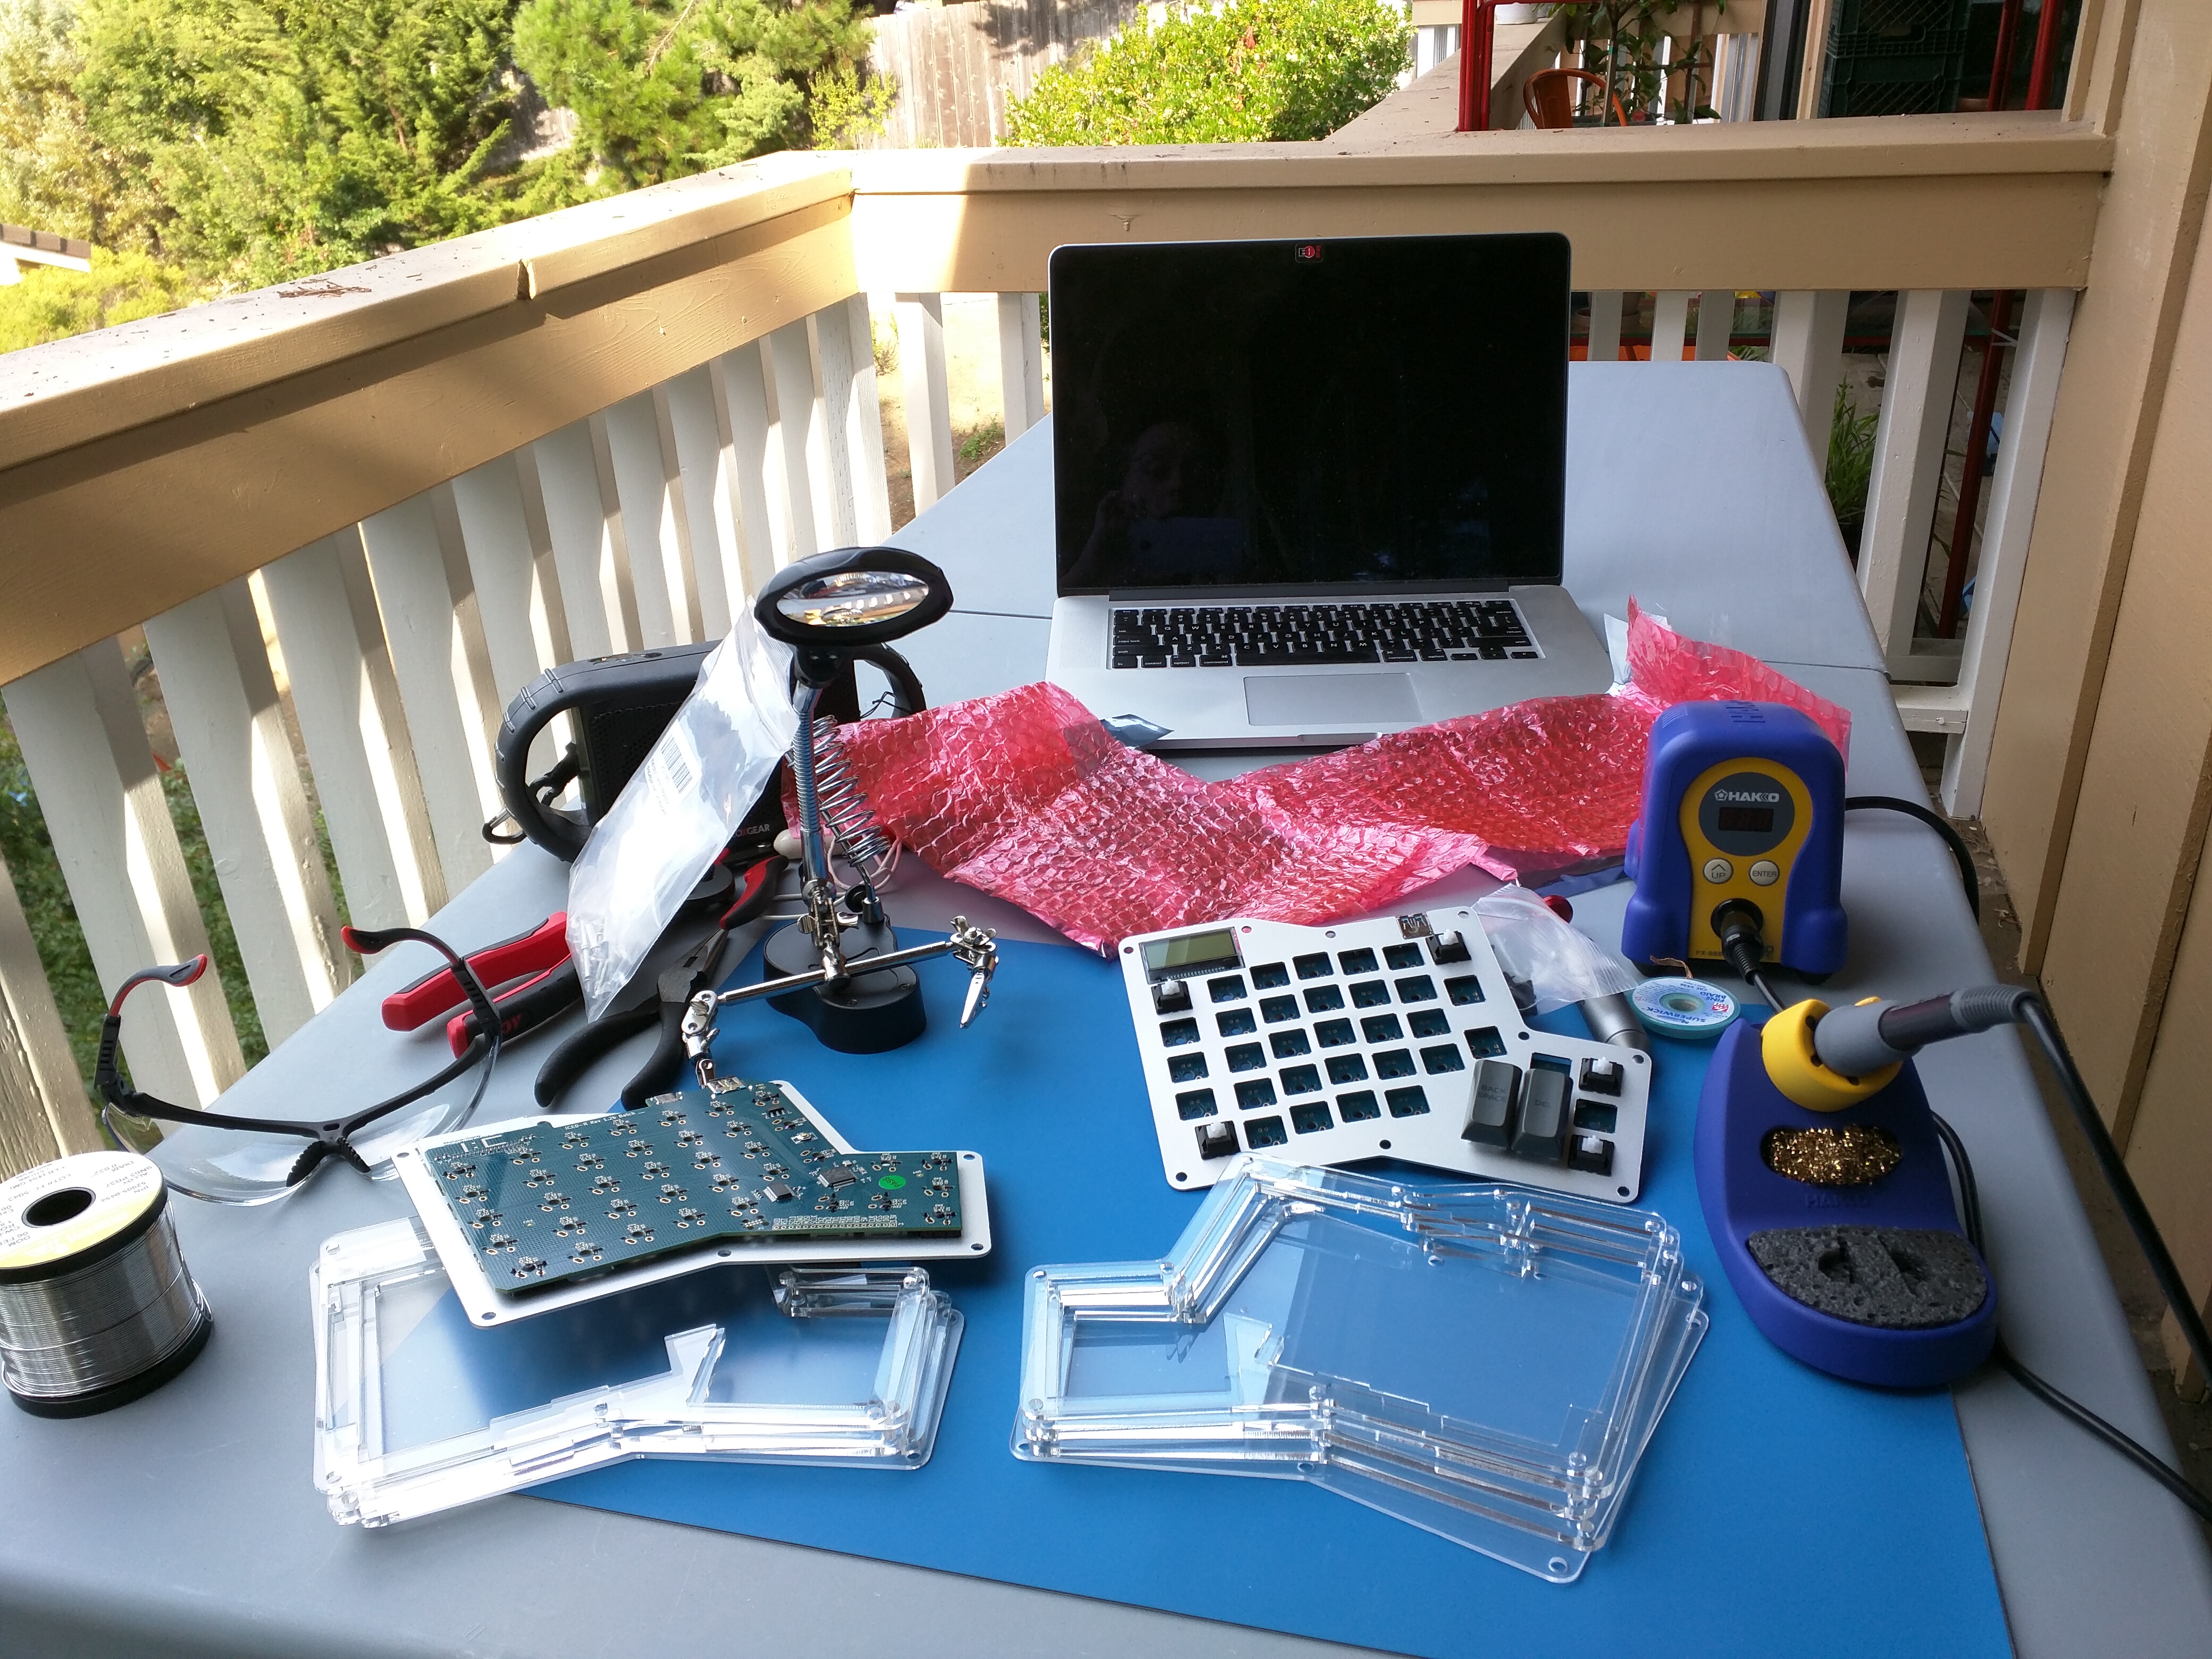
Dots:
(417, 1411)
(1484, 1363)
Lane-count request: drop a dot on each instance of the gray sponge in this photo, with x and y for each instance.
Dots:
(1899, 1278)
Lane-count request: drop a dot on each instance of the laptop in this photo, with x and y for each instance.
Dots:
(1305, 493)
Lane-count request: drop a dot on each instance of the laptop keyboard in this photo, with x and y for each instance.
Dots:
(1320, 636)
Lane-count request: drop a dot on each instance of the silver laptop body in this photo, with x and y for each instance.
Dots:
(1310, 492)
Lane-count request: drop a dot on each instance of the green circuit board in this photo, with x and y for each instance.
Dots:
(546, 1203)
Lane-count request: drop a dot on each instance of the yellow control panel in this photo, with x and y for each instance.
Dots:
(1744, 821)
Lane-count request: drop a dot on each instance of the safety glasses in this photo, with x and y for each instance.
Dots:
(256, 1160)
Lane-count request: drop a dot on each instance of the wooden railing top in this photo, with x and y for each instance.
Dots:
(73, 390)
(1901, 202)
(1897, 146)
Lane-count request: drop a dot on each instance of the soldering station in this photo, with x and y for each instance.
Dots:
(1407, 1129)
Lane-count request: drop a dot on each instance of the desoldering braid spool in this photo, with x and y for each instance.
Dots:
(96, 1305)
(1689, 1009)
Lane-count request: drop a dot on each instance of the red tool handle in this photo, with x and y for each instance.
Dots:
(543, 946)
(522, 1009)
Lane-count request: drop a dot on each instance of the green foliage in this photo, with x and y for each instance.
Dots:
(288, 136)
(662, 90)
(1850, 463)
(245, 143)
(55, 174)
(1620, 39)
(1254, 69)
(51, 303)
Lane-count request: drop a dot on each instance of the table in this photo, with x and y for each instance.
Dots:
(187, 1524)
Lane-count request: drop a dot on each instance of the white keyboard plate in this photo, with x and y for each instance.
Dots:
(1306, 1094)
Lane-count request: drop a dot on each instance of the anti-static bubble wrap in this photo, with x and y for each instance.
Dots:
(1023, 795)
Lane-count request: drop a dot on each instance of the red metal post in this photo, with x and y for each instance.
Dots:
(1985, 392)
(2045, 62)
(1476, 18)
(1970, 480)
(2001, 66)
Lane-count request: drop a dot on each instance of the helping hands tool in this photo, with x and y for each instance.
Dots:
(838, 968)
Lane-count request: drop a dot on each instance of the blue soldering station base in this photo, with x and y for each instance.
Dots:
(1744, 1198)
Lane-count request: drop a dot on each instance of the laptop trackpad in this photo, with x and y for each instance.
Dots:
(1367, 700)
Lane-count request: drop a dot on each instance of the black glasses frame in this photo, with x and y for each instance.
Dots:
(333, 1137)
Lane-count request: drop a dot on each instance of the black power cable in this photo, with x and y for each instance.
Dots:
(1960, 850)
(2035, 1015)
(1970, 1207)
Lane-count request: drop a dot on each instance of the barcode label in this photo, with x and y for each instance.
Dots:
(671, 771)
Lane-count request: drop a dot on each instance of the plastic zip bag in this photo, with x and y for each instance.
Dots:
(679, 808)
(1536, 949)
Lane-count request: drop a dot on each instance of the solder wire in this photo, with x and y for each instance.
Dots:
(79, 1333)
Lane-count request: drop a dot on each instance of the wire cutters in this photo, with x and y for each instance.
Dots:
(532, 978)
(664, 998)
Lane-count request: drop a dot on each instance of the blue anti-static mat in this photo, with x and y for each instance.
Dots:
(1776, 1510)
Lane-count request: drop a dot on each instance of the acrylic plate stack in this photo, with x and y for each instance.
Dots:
(417, 1410)
(1486, 1362)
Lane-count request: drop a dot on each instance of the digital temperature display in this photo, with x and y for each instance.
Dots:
(1748, 820)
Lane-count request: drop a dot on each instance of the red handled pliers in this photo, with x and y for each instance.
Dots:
(531, 979)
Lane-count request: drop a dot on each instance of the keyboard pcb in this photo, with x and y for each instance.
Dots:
(542, 1204)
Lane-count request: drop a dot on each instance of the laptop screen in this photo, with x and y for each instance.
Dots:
(1275, 414)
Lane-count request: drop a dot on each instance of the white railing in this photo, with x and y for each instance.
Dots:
(736, 433)
(1947, 686)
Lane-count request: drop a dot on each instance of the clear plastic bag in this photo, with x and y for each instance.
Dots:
(679, 808)
(1536, 949)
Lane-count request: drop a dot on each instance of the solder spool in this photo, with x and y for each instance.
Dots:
(96, 1305)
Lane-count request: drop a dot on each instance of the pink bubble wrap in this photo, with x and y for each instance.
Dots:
(1024, 796)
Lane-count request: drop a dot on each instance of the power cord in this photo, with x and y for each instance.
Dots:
(1738, 925)
(1942, 826)
(1970, 1207)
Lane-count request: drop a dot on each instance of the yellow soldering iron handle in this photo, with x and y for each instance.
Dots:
(1786, 1046)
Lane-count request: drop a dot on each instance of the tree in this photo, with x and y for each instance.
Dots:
(288, 136)
(52, 304)
(1254, 69)
(55, 172)
(661, 89)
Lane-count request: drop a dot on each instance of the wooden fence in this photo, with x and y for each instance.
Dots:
(957, 67)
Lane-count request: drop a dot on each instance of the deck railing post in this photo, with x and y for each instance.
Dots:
(1602, 344)
(1968, 711)
(1021, 362)
(928, 400)
(1908, 470)
(44, 1112)
(796, 412)
(84, 742)
(864, 430)
(654, 524)
(1808, 348)
(702, 465)
(359, 747)
(1670, 324)
(745, 423)
(423, 592)
(222, 699)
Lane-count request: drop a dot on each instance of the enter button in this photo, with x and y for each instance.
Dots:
(1765, 872)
